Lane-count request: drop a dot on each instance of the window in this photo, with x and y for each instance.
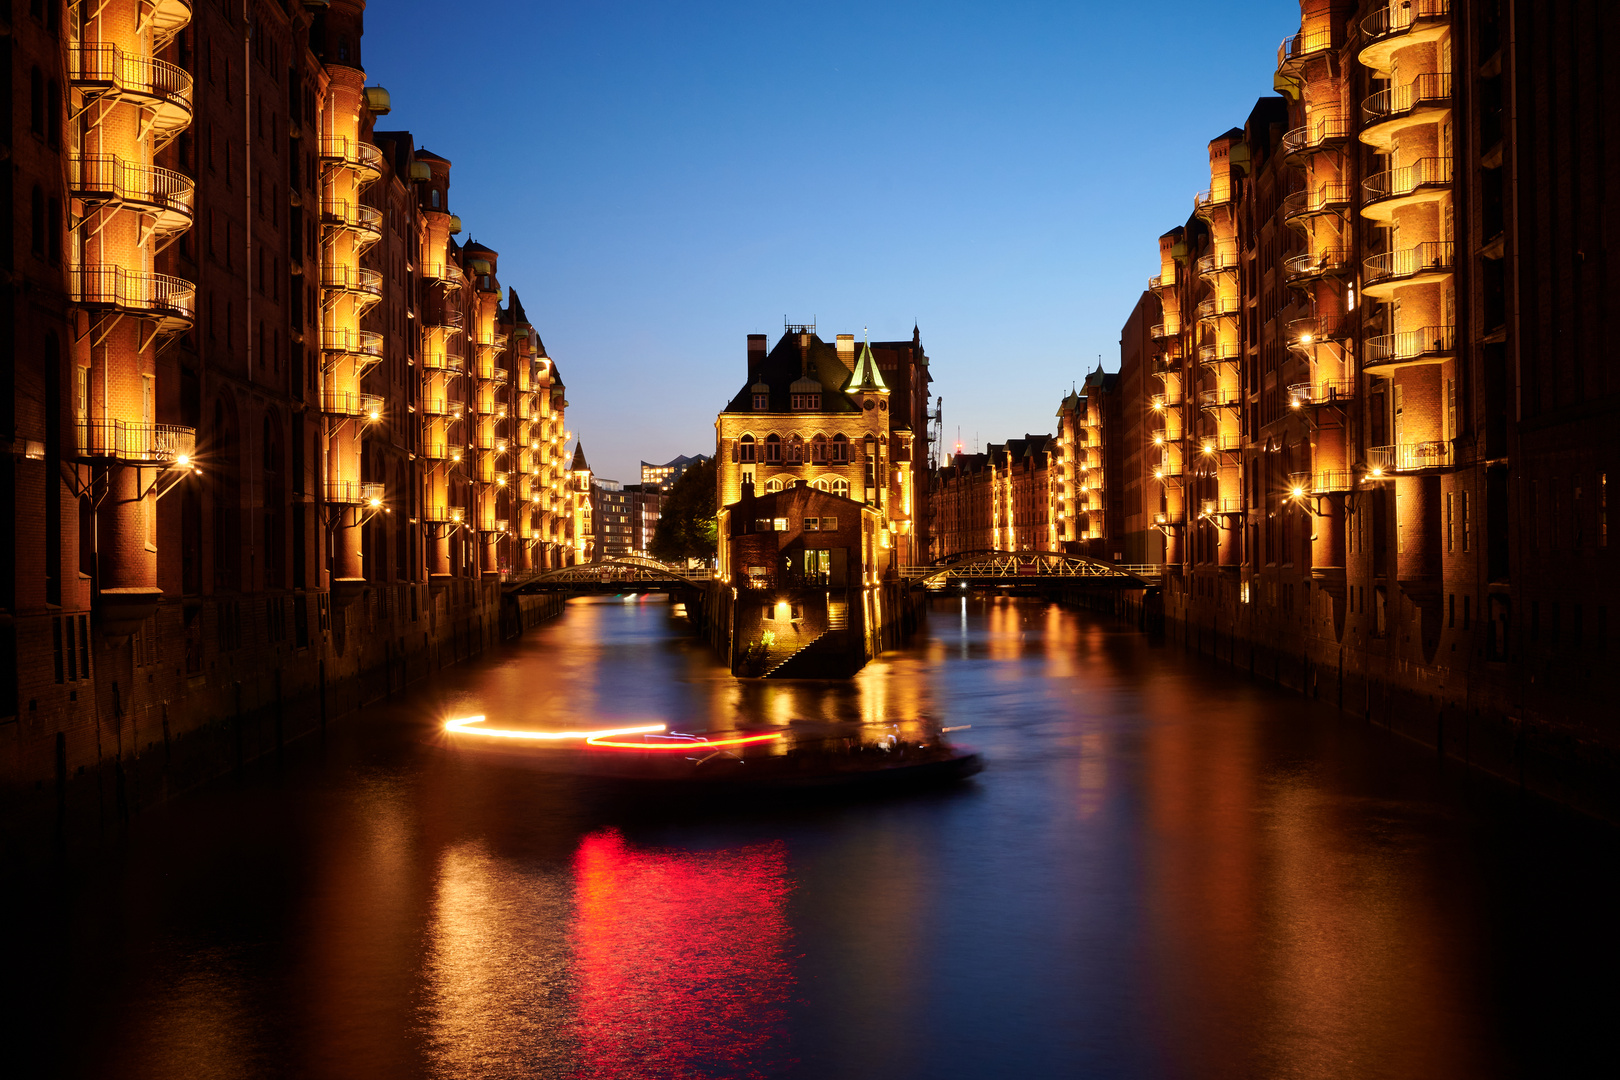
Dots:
(829, 524)
(812, 524)
(840, 487)
(806, 401)
(762, 525)
(773, 448)
(818, 449)
(795, 450)
(773, 485)
(840, 450)
(820, 484)
(762, 402)
(1465, 522)
(781, 525)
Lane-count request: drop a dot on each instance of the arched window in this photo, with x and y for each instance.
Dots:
(840, 487)
(773, 448)
(773, 485)
(433, 198)
(795, 451)
(745, 449)
(840, 450)
(819, 483)
(818, 449)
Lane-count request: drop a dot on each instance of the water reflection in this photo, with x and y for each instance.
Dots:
(1166, 871)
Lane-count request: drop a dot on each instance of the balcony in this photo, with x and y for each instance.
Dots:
(355, 217)
(447, 318)
(1167, 521)
(156, 86)
(1214, 507)
(1408, 458)
(367, 344)
(1389, 112)
(1424, 264)
(1400, 23)
(368, 284)
(1321, 392)
(1299, 206)
(170, 301)
(1217, 263)
(443, 360)
(1302, 269)
(367, 407)
(1205, 203)
(1318, 133)
(444, 405)
(167, 18)
(1220, 354)
(1428, 345)
(1302, 46)
(1217, 307)
(1161, 282)
(354, 154)
(1166, 401)
(355, 493)
(1220, 398)
(1167, 468)
(1314, 329)
(168, 196)
(1332, 482)
(445, 273)
(1425, 180)
(437, 447)
(1167, 329)
(1213, 444)
(158, 445)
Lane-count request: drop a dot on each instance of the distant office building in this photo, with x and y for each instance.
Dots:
(625, 517)
(662, 478)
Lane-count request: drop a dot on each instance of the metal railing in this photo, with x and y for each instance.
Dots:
(158, 295)
(343, 403)
(1301, 45)
(97, 176)
(1315, 264)
(1432, 256)
(1220, 354)
(1316, 133)
(1167, 328)
(1314, 328)
(355, 493)
(355, 342)
(443, 360)
(1215, 307)
(1433, 88)
(1324, 198)
(1400, 16)
(1220, 398)
(1163, 401)
(448, 317)
(347, 215)
(110, 66)
(136, 444)
(1330, 481)
(1408, 457)
(1210, 444)
(352, 279)
(1408, 345)
(1217, 262)
(1394, 183)
(355, 153)
(1206, 201)
(1211, 507)
(1321, 392)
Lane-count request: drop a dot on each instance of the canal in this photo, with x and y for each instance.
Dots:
(1166, 870)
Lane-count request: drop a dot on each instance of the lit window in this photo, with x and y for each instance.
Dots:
(840, 450)
(812, 524)
(841, 488)
(781, 524)
(773, 448)
(829, 524)
(745, 449)
(773, 485)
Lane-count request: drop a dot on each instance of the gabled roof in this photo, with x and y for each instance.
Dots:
(788, 363)
(579, 458)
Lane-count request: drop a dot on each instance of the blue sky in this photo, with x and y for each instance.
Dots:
(663, 178)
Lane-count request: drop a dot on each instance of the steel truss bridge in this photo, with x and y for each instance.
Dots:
(997, 568)
(615, 574)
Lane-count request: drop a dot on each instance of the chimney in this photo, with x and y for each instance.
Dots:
(846, 347)
(742, 517)
(756, 352)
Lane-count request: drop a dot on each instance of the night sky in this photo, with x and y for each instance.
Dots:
(662, 179)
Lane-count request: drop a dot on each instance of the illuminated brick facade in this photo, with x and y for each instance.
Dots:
(276, 434)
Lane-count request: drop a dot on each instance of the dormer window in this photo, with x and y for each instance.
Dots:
(806, 402)
(762, 399)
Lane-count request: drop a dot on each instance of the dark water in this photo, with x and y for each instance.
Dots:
(1166, 871)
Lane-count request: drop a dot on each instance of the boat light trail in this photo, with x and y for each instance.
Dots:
(604, 741)
(464, 726)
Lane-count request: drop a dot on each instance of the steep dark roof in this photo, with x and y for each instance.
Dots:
(474, 246)
(515, 306)
(579, 457)
(788, 362)
(424, 154)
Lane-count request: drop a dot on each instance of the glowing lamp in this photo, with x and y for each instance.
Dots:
(1299, 492)
(183, 460)
(1305, 339)
(375, 503)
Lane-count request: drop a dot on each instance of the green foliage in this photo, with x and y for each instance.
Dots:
(687, 525)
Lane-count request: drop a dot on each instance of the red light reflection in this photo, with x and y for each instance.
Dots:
(681, 960)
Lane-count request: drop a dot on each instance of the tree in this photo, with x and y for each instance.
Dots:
(687, 526)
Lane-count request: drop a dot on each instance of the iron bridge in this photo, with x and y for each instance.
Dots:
(1029, 568)
(611, 575)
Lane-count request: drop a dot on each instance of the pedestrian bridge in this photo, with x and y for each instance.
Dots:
(615, 574)
(1000, 568)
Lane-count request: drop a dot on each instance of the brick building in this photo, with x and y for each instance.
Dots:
(275, 432)
(625, 517)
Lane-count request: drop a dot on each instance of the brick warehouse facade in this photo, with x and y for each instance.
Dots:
(275, 434)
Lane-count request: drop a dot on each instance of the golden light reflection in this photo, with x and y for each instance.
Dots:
(468, 725)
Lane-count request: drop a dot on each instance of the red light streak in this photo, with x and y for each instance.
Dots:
(687, 744)
(464, 726)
